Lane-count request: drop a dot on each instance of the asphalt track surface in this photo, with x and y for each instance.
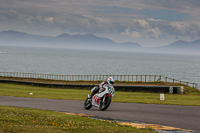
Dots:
(185, 117)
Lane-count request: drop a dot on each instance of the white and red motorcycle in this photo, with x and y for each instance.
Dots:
(101, 100)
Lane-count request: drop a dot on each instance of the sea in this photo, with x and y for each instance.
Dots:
(64, 61)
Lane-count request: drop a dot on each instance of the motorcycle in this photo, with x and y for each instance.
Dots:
(101, 100)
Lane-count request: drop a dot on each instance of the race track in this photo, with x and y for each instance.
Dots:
(185, 117)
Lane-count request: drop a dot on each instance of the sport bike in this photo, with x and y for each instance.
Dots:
(101, 100)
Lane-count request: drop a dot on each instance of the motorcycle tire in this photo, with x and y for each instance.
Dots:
(87, 104)
(104, 105)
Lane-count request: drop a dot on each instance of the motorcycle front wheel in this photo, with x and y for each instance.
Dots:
(87, 104)
(104, 105)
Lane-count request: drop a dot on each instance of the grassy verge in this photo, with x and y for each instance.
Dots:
(192, 99)
(187, 89)
(23, 120)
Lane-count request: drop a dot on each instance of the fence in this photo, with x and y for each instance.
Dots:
(130, 78)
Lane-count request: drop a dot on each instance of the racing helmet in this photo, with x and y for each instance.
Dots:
(110, 80)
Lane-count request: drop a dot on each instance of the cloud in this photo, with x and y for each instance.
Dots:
(154, 20)
(141, 22)
(136, 34)
(147, 33)
(181, 27)
(28, 20)
(133, 34)
(49, 19)
(155, 32)
(129, 18)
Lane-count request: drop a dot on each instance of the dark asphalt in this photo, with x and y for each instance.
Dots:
(185, 117)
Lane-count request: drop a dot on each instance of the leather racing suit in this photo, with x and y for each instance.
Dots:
(100, 88)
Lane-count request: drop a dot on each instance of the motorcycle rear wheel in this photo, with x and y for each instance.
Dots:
(88, 104)
(104, 105)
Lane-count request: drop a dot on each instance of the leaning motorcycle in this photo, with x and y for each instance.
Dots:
(101, 100)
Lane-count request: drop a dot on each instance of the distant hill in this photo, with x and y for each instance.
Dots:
(90, 41)
(180, 47)
(87, 41)
(184, 45)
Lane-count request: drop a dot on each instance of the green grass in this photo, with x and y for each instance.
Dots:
(42, 92)
(187, 89)
(154, 98)
(24, 120)
(192, 98)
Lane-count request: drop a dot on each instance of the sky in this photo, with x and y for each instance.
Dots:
(150, 23)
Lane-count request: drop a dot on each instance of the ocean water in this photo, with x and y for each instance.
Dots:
(81, 62)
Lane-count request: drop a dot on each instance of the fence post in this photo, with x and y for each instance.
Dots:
(196, 86)
(160, 78)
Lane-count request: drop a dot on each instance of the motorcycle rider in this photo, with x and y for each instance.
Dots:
(101, 87)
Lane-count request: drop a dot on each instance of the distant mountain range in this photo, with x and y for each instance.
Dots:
(87, 41)
(90, 41)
